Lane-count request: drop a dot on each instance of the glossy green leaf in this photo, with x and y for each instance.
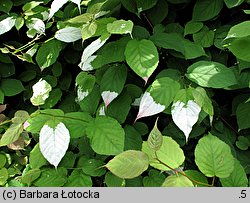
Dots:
(48, 53)
(211, 74)
(128, 164)
(213, 157)
(177, 181)
(106, 136)
(238, 178)
(243, 115)
(78, 179)
(142, 57)
(11, 87)
(206, 9)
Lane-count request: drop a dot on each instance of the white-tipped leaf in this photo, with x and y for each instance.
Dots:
(185, 115)
(87, 55)
(54, 142)
(7, 24)
(148, 106)
(36, 24)
(55, 6)
(108, 97)
(68, 34)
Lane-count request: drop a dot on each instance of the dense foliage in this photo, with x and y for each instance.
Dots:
(124, 93)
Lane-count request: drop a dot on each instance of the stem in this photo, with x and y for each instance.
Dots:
(227, 124)
(5, 122)
(183, 173)
(150, 24)
(31, 43)
(213, 181)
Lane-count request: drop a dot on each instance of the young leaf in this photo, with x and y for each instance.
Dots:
(106, 136)
(155, 138)
(142, 57)
(41, 92)
(128, 164)
(177, 181)
(54, 141)
(120, 27)
(185, 115)
(213, 157)
(88, 30)
(112, 83)
(87, 55)
(211, 74)
(7, 24)
(68, 34)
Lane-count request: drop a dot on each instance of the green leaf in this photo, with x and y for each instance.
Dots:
(6, 6)
(242, 143)
(11, 87)
(240, 48)
(36, 158)
(142, 57)
(3, 160)
(177, 181)
(54, 97)
(204, 37)
(206, 9)
(68, 161)
(192, 27)
(133, 138)
(78, 179)
(158, 13)
(106, 136)
(233, 3)
(75, 119)
(48, 53)
(1, 97)
(143, 5)
(30, 176)
(19, 23)
(155, 138)
(158, 97)
(4, 175)
(170, 154)
(88, 30)
(93, 167)
(155, 178)
(240, 30)
(52, 178)
(120, 27)
(175, 41)
(113, 181)
(12, 134)
(54, 140)
(237, 178)
(197, 176)
(213, 157)
(243, 115)
(113, 82)
(211, 74)
(128, 164)
(41, 91)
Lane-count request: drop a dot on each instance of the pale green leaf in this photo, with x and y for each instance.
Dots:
(177, 181)
(30, 176)
(213, 157)
(128, 164)
(11, 134)
(120, 27)
(155, 138)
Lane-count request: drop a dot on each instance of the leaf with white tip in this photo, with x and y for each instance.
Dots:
(78, 3)
(68, 34)
(41, 92)
(36, 24)
(54, 141)
(87, 55)
(112, 83)
(185, 115)
(158, 97)
(55, 6)
(7, 24)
